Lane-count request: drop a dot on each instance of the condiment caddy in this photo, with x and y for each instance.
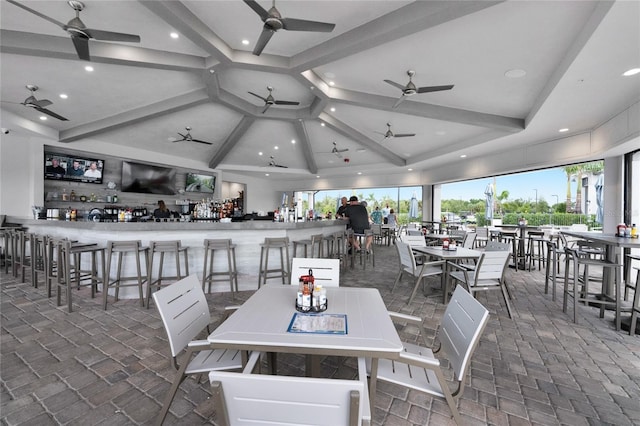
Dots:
(311, 297)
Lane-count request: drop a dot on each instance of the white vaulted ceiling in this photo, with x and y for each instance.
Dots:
(143, 94)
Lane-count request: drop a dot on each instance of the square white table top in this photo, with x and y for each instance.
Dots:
(261, 324)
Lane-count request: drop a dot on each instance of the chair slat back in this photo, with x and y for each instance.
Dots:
(497, 246)
(164, 246)
(462, 325)
(256, 399)
(469, 240)
(404, 253)
(482, 232)
(184, 311)
(491, 265)
(414, 240)
(325, 271)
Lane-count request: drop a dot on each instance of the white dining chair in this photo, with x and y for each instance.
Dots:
(325, 271)
(409, 266)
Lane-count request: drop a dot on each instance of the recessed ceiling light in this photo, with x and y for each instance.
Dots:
(410, 170)
(331, 83)
(322, 124)
(63, 96)
(463, 156)
(266, 174)
(43, 118)
(245, 42)
(88, 68)
(293, 141)
(276, 147)
(318, 176)
(174, 35)
(563, 130)
(359, 173)
(632, 71)
(333, 109)
(260, 153)
(515, 73)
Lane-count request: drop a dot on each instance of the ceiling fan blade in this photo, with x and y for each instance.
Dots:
(343, 150)
(302, 25)
(82, 46)
(257, 9)
(434, 88)
(111, 36)
(394, 84)
(287, 103)
(403, 135)
(265, 36)
(258, 96)
(399, 101)
(281, 166)
(40, 103)
(28, 9)
(204, 142)
(266, 107)
(184, 137)
(52, 114)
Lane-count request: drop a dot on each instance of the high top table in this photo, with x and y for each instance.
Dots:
(261, 324)
(613, 247)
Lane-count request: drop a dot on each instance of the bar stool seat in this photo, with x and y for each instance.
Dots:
(282, 245)
(122, 249)
(70, 274)
(580, 283)
(226, 247)
(173, 248)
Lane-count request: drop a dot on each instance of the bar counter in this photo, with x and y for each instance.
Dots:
(247, 237)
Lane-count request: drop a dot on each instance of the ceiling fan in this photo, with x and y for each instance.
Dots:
(40, 105)
(273, 22)
(272, 163)
(80, 34)
(187, 137)
(336, 151)
(389, 134)
(270, 100)
(411, 89)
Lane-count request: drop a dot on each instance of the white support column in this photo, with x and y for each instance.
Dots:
(613, 193)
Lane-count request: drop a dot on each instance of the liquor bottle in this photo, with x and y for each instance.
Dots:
(634, 231)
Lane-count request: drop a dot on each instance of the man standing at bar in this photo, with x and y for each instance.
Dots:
(358, 221)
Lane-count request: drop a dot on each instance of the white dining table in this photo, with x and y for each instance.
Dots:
(262, 323)
(439, 253)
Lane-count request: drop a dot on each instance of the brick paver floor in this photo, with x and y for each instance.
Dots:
(112, 367)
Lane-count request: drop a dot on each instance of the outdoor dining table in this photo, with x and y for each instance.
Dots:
(439, 253)
(263, 323)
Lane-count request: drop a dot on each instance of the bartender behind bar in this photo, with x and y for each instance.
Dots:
(162, 212)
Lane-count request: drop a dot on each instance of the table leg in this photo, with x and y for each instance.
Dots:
(373, 383)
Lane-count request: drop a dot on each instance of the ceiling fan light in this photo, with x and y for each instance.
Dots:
(174, 35)
(63, 96)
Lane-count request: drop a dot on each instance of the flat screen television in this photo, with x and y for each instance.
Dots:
(148, 179)
(200, 183)
(73, 168)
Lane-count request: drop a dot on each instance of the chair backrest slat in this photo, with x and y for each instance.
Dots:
(404, 253)
(325, 271)
(491, 265)
(184, 311)
(497, 246)
(462, 325)
(414, 240)
(258, 399)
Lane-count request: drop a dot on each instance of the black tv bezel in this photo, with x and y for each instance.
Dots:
(206, 175)
(69, 159)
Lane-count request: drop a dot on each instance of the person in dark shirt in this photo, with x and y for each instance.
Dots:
(77, 169)
(342, 208)
(55, 169)
(358, 221)
(162, 212)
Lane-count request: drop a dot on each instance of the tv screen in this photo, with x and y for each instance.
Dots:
(200, 183)
(72, 168)
(144, 178)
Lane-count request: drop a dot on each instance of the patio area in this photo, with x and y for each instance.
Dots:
(112, 367)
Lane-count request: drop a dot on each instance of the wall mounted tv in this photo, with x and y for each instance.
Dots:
(147, 179)
(200, 183)
(74, 168)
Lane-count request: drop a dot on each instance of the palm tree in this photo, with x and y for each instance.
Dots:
(570, 171)
(504, 195)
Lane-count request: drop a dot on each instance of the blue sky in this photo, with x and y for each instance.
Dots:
(548, 182)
